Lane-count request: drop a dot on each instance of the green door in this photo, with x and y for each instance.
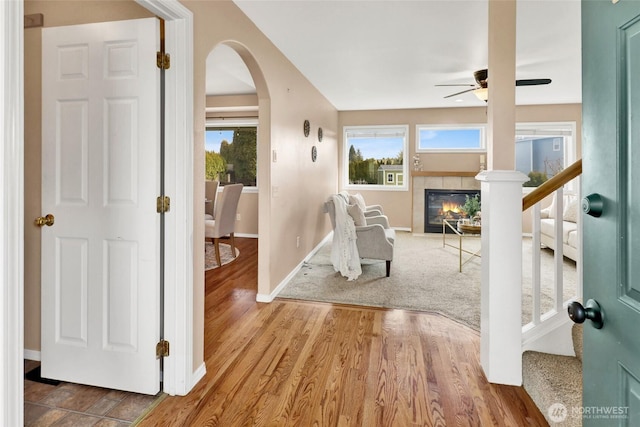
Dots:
(611, 168)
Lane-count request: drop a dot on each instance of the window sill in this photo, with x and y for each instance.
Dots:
(444, 173)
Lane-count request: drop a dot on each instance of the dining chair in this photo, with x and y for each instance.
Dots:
(210, 194)
(225, 219)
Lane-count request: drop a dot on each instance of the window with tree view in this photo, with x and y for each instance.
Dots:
(231, 155)
(375, 156)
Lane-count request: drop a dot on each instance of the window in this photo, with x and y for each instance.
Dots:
(460, 138)
(231, 153)
(374, 157)
(543, 150)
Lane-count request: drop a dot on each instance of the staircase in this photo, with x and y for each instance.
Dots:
(551, 379)
(554, 381)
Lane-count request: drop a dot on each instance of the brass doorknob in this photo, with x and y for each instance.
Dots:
(45, 220)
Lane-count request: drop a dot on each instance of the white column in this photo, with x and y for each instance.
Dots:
(501, 111)
(501, 289)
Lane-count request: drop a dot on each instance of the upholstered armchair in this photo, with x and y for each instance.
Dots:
(358, 199)
(224, 224)
(375, 239)
(369, 210)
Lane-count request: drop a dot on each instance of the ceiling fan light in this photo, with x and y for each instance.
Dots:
(482, 93)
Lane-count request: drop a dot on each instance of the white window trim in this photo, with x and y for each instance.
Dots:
(374, 187)
(480, 126)
(569, 149)
(231, 122)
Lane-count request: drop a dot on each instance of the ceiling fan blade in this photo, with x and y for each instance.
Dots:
(467, 85)
(460, 93)
(532, 82)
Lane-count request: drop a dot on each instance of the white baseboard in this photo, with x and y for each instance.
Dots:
(32, 355)
(248, 236)
(198, 375)
(270, 297)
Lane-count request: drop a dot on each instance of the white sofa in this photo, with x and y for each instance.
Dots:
(569, 227)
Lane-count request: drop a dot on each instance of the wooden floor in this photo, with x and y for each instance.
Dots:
(294, 363)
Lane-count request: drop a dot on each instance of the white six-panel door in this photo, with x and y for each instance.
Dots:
(100, 175)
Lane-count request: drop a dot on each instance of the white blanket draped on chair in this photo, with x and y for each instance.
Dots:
(344, 251)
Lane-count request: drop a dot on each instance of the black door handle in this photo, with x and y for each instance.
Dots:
(592, 311)
(593, 204)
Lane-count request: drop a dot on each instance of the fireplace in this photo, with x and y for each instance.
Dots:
(443, 204)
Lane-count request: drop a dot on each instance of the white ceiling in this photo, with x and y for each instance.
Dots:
(390, 54)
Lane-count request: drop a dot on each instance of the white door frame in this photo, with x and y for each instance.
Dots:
(11, 213)
(179, 376)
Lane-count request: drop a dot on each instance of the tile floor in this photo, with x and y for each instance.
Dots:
(76, 405)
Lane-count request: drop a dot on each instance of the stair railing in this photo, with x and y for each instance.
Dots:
(542, 323)
(552, 184)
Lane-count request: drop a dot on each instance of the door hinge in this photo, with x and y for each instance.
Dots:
(162, 349)
(163, 60)
(163, 204)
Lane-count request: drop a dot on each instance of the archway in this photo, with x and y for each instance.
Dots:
(237, 95)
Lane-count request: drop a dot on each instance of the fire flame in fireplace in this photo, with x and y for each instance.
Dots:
(451, 207)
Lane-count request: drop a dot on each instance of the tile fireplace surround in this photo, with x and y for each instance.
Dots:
(436, 181)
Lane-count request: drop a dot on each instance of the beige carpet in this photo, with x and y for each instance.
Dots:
(424, 277)
(226, 256)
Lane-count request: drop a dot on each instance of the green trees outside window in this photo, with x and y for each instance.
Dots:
(365, 171)
(231, 155)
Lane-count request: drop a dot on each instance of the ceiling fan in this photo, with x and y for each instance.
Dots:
(480, 89)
